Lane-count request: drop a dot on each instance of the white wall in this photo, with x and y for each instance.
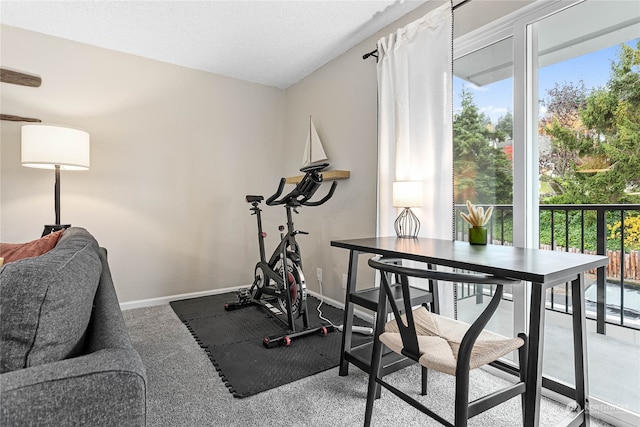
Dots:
(341, 96)
(173, 152)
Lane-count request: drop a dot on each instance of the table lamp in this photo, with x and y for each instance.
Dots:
(407, 194)
(58, 148)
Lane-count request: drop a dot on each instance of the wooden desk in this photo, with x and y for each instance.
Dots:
(543, 269)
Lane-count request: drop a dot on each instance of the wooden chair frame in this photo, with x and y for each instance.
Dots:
(463, 408)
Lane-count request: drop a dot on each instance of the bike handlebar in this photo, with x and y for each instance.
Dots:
(334, 184)
(277, 193)
(303, 191)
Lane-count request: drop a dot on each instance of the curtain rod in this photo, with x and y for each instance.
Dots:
(374, 52)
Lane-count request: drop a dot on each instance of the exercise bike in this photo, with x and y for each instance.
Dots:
(279, 285)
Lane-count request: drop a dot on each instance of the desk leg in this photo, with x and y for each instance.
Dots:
(580, 347)
(347, 322)
(536, 344)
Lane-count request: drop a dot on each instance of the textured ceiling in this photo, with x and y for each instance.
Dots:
(276, 43)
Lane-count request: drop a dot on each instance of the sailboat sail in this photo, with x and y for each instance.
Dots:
(313, 151)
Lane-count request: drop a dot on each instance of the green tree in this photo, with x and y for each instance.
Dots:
(482, 171)
(612, 115)
(596, 138)
(561, 124)
(504, 127)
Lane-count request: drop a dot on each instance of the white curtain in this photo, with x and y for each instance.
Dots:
(415, 121)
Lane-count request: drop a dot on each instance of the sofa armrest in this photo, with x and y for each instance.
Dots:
(107, 328)
(99, 389)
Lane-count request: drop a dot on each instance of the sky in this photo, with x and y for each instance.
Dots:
(496, 99)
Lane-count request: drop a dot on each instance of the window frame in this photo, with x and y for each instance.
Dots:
(521, 26)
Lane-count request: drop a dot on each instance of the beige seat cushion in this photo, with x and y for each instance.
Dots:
(439, 340)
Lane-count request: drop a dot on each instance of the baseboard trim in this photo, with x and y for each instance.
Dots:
(361, 314)
(151, 302)
(166, 300)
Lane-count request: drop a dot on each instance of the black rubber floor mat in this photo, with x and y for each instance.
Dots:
(233, 342)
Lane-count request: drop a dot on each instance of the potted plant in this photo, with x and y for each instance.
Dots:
(477, 218)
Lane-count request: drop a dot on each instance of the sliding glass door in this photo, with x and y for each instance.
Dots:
(483, 154)
(524, 143)
(581, 84)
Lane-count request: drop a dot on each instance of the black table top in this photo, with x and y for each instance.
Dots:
(534, 265)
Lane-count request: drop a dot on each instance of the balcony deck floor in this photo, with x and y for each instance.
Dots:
(614, 359)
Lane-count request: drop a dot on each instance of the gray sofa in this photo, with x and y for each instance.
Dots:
(65, 355)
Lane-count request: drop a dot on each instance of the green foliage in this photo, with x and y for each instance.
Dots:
(504, 127)
(590, 236)
(599, 109)
(558, 234)
(594, 157)
(482, 172)
(602, 127)
(580, 228)
(501, 225)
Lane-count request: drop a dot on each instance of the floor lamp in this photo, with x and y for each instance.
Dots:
(58, 148)
(407, 195)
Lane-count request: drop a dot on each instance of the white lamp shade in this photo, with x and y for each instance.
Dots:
(407, 194)
(45, 146)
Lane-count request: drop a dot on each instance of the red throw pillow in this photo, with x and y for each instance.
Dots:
(15, 251)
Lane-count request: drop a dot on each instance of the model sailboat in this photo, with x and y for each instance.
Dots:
(315, 158)
(313, 151)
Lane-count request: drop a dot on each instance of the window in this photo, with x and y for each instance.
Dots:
(506, 75)
(482, 160)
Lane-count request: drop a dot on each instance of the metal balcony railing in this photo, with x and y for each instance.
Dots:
(613, 292)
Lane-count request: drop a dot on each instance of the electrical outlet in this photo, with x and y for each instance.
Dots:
(344, 281)
(319, 273)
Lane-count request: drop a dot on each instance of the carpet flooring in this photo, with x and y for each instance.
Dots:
(233, 342)
(184, 389)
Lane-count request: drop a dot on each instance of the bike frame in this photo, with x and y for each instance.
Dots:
(287, 240)
(289, 278)
(287, 248)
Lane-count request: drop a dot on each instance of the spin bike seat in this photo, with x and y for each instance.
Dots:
(251, 199)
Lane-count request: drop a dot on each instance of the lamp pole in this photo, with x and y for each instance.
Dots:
(56, 196)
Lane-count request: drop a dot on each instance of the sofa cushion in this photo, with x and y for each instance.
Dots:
(46, 302)
(15, 251)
